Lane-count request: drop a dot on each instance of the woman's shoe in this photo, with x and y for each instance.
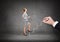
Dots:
(25, 34)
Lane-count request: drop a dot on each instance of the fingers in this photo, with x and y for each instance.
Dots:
(48, 20)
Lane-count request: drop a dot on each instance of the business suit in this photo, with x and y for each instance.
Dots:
(57, 26)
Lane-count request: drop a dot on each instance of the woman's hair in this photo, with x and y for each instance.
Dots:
(24, 9)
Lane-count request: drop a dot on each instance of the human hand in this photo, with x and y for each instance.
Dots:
(48, 20)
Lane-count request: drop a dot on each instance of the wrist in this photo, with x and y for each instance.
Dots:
(54, 24)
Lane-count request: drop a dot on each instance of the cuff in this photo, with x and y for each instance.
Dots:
(55, 23)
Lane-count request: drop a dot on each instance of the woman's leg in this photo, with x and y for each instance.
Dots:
(29, 27)
(25, 30)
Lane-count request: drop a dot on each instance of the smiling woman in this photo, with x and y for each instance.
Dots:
(11, 23)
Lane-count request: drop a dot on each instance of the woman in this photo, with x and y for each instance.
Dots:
(26, 21)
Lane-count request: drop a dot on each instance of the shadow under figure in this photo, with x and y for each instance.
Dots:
(27, 24)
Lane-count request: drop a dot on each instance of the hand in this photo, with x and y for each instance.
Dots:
(48, 20)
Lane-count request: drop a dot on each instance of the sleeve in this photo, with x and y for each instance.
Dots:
(57, 26)
(56, 22)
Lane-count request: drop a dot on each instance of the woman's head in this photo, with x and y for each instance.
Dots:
(24, 10)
